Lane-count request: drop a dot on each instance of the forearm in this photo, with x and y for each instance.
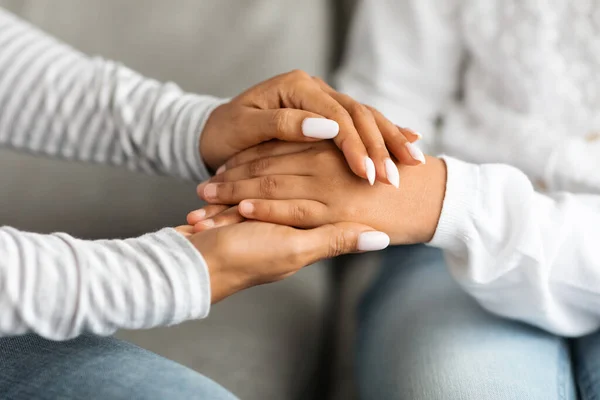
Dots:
(56, 101)
(521, 254)
(58, 286)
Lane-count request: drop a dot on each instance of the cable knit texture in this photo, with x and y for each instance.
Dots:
(515, 83)
(56, 101)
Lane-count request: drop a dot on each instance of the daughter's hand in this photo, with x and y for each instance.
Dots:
(299, 108)
(311, 185)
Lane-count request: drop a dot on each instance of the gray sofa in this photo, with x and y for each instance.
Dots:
(283, 341)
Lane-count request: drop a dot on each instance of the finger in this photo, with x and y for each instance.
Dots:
(298, 213)
(336, 239)
(411, 134)
(230, 216)
(308, 95)
(185, 230)
(288, 124)
(289, 164)
(273, 187)
(369, 133)
(204, 213)
(268, 149)
(395, 139)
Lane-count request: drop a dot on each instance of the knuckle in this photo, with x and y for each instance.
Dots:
(377, 147)
(298, 213)
(281, 120)
(257, 167)
(299, 74)
(268, 186)
(357, 110)
(337, 245)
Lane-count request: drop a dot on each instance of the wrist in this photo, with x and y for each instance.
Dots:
(420, 199)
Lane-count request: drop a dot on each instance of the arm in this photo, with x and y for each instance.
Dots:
(56, 101)
(58, 286)
(521, 254)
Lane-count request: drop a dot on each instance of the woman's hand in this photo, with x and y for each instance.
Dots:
(309, 184)
(252, 253)
(297, 107)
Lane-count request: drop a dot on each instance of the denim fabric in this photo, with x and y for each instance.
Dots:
(91, 367)
(421, 337)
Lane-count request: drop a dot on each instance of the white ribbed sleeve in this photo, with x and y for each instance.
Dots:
(58, 102)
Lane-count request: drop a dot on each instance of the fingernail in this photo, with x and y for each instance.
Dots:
(221, 169)
(210, 191)
(199, 214)
(415, 152)
(370, 168)
(392, 173)
(246, 208)
(320, 128)
(209, 223)
(373, 241)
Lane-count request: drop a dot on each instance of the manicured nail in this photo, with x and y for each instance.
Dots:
(221, 169)
(210, 191)
(392, 173)
(373, 241)
(370, 167)
(415, 152)
(246, 208)
(320, 128)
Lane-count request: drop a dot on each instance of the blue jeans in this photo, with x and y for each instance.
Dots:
(421, 337)
(91, 367)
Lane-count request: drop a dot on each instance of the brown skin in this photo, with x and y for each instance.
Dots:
(243, 255)
(308, 185)
(275, 109)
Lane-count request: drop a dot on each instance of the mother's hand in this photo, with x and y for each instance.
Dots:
(300, 108)
(252, 253)
(310, 185)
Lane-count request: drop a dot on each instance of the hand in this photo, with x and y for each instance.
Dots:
(297, 107)
(252, 253)
(308, 185)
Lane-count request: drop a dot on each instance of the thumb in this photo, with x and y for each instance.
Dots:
(290, 125)
(341, 238)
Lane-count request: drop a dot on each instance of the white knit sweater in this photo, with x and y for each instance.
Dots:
(58, 102)
(515, 82)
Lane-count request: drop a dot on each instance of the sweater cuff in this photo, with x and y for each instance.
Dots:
(198, 111)
(458, 210)
(194, 301)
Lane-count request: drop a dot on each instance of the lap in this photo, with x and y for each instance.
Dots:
(91, 367)
(422, 337)
(262, 343)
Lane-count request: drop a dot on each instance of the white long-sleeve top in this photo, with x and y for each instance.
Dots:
(516, 84)
(58, 102)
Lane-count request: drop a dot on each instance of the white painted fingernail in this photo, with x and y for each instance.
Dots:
(320, 128)
(392, 173)
(373, 241)
(221, 169)
(370, 168)
(415, 152)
